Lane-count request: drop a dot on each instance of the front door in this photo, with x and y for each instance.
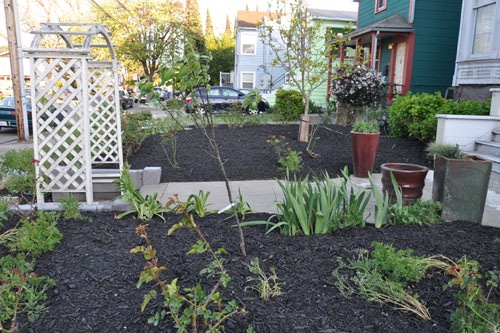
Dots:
(399, 68)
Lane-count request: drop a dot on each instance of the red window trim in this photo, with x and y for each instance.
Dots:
(378, 8)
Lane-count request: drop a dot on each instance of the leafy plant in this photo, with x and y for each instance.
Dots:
(382, 204)
(4, 207)
(18, 171)
(192, 309)
(71, 208)
(420, 212)
(133, 133)
(288, 159)
(38, 235)
(198, 203)
(252, 101)
(476, 313)
(366, 127)
(445, 150)
(319, 207)
(358, 85)
(146, 207)
(289, 104)
(414, 115)
(21, 292)
(241, 207)
(170, 137)
(266, 285)
(381, 276)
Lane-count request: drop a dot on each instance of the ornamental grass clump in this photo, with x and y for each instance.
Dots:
(444, 150)
(383, 275)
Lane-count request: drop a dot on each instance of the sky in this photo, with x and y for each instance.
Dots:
(218, 11)
(220, 8)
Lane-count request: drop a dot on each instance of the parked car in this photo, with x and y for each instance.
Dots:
(126, 101)
(218, 99)
(8, 112)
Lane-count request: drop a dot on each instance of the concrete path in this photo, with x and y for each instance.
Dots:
(262, 195)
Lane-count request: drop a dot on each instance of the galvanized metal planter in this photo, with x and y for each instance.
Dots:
(461, 186)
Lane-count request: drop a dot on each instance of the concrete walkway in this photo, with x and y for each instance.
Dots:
(262, 195)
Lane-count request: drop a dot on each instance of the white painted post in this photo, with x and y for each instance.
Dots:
(495, 102)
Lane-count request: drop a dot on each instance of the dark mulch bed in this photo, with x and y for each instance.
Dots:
(247, 155)
(96, 274)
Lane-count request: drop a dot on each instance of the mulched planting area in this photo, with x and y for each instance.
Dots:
(96, 274)
(248, 155)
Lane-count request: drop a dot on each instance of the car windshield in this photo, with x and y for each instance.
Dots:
(9, 101)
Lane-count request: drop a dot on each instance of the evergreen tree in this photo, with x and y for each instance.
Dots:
(209, 28)
(194, 29)
(228, 30)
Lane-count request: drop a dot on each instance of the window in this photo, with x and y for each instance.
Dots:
(287, 78)
(248, 43)
(247, 80)
(380, 5)
(484, 23)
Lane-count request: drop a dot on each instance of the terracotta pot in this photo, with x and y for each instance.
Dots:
(364, 149)
(461, 186)
(410, 178)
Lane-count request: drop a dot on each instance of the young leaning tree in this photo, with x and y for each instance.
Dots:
(298, 43)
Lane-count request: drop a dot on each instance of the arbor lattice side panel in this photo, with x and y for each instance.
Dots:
(60, 118)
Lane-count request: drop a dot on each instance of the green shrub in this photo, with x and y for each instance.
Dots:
(18, 171)
(133, 133)
(414, 115)
(38, 236)
(289, 104)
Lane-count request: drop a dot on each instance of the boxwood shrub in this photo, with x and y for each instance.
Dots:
(414, 115)
(289, 104)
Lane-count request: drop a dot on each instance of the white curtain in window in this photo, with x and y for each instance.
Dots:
(483, 29)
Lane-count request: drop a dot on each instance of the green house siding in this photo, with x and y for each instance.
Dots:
(436, 37)
(367, 14)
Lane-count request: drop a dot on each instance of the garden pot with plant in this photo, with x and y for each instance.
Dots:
(410, 179)
(460, 182)
(365, 136)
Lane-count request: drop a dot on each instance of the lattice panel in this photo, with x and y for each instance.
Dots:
(105, 135)
(60, 124)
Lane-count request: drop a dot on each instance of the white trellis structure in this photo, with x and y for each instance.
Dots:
(75, 107)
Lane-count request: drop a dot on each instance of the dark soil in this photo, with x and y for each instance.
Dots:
(248, 155)
(96, 275)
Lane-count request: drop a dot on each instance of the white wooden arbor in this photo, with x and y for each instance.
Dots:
(75, 107)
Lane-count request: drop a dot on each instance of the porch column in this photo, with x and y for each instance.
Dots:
(495, 102)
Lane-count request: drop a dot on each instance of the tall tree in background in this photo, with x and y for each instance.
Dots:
(148, 33)
(228, 30)
(209, 28)
(298, 45)
(221, 50)
(194, 29)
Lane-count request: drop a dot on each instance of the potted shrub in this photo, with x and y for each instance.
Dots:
(460, 182)
(365, 136)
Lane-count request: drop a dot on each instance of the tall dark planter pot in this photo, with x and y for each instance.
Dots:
(461, 186)
(409, 177)
(364, 149)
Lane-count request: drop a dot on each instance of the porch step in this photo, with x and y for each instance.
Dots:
(496, 135)
(494, 184)
(491, 148)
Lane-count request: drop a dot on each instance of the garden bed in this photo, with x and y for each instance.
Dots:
(96, 274)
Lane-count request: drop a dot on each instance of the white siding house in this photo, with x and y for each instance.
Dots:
(253, 59)
(477, 66)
